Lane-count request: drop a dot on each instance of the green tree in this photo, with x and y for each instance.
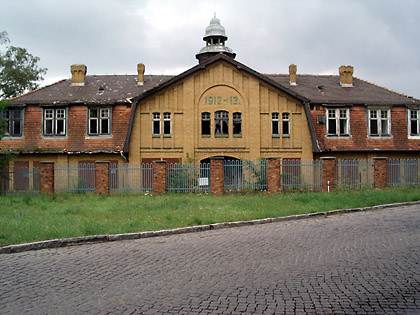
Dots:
(19, 73)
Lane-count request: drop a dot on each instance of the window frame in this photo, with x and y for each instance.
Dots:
(379, 119)
(275, 121)
(156, 122)
(338, 119)
(55, 118)
(167, 119)
(221, 118)
(409, 123)
(206, 119)
(285, 119)
(237, 122)
(8, 122)
(99, 121)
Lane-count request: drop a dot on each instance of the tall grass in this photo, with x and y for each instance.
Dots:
(26, 218)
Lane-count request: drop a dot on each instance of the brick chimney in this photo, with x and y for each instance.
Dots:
(78, 75)
(292, 74)
(346, 76)
(140, 72)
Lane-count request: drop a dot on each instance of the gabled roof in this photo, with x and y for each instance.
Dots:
(99, 89)
(326, 89)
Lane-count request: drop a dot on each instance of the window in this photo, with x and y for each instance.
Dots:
(12, 122)
(54, 122)
(275, 130)
(156, 124)
(99, 121)
(414, 122)
(166, 124)
(205, 124)
(379, 122)
(221, 123)
(237, 124)
(286, 124)
(337, 122)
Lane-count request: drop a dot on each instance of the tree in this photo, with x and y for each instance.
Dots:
(19, 73)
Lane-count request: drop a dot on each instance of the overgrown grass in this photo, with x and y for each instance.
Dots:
(27, 218)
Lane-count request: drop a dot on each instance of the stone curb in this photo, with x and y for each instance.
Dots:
(183, 230)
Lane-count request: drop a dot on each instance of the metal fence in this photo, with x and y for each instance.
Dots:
(299, 174)
(130, 177)
(15, 180)
(188, 177)
(245, 175)
(74, 177)
(351, 173)
(402, 172)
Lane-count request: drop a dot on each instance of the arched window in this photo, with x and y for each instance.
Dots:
(221, 123)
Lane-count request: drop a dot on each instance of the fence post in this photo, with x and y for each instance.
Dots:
(159, 177)
(328, 173)
(102, 177)
(273, 175)
(379, 165)
(46, 177)
(216, 175)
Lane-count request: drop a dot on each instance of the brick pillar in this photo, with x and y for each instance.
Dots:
(273, 175)
(159, 177)
(328, 173)
(46, 174)
(379, 165)
(102, 177)
(216, 175)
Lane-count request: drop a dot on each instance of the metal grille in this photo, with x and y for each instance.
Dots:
(16, 180)
(245, 175)
(301, 174)
(354, 173)
(74, 177)
(188, 177)
(402, 172)
(131, 177)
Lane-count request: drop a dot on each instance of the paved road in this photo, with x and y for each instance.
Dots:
(364, 263)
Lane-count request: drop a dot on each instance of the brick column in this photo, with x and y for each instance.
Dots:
(102, 177)
(273, 175)
(379, 166)
(328, 173)
(159, 177)
(216, 176)
(46, 176)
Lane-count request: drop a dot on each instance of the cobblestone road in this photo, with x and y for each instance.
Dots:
(364, 263)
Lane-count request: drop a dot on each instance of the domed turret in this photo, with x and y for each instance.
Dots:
(215, 38)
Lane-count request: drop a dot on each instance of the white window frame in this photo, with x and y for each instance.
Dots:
(167, 119)
(55, 115)
(416, 119)
(338, 114)
(377, 114)
(103, 113)
(275, 120)
(9, 120)
(285, 118)
(155, 120)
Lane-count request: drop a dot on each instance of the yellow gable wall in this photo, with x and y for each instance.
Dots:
(219, 87)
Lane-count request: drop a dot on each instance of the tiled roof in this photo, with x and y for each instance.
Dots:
(99, 89)
(327, 89)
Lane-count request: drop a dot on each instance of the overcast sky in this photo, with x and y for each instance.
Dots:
(380, 38)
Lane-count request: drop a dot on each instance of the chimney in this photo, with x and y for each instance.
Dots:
(140, 72)
(292, 73)
(78, 75)
(346, 76)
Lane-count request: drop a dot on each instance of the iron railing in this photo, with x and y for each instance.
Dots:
(296, 174)
(402, 172)
(188, 177)
(75, 177)
(245, 175)
(351, 173)
(15, 180)
(130, 177)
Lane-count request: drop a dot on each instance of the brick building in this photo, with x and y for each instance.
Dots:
(220, 107)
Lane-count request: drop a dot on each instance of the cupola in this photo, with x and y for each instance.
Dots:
(215, 38)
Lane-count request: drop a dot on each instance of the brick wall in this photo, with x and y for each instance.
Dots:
(216, 176)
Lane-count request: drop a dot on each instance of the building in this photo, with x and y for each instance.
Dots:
(220, 107)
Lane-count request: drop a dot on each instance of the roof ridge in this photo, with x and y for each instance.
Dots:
(303, 74)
